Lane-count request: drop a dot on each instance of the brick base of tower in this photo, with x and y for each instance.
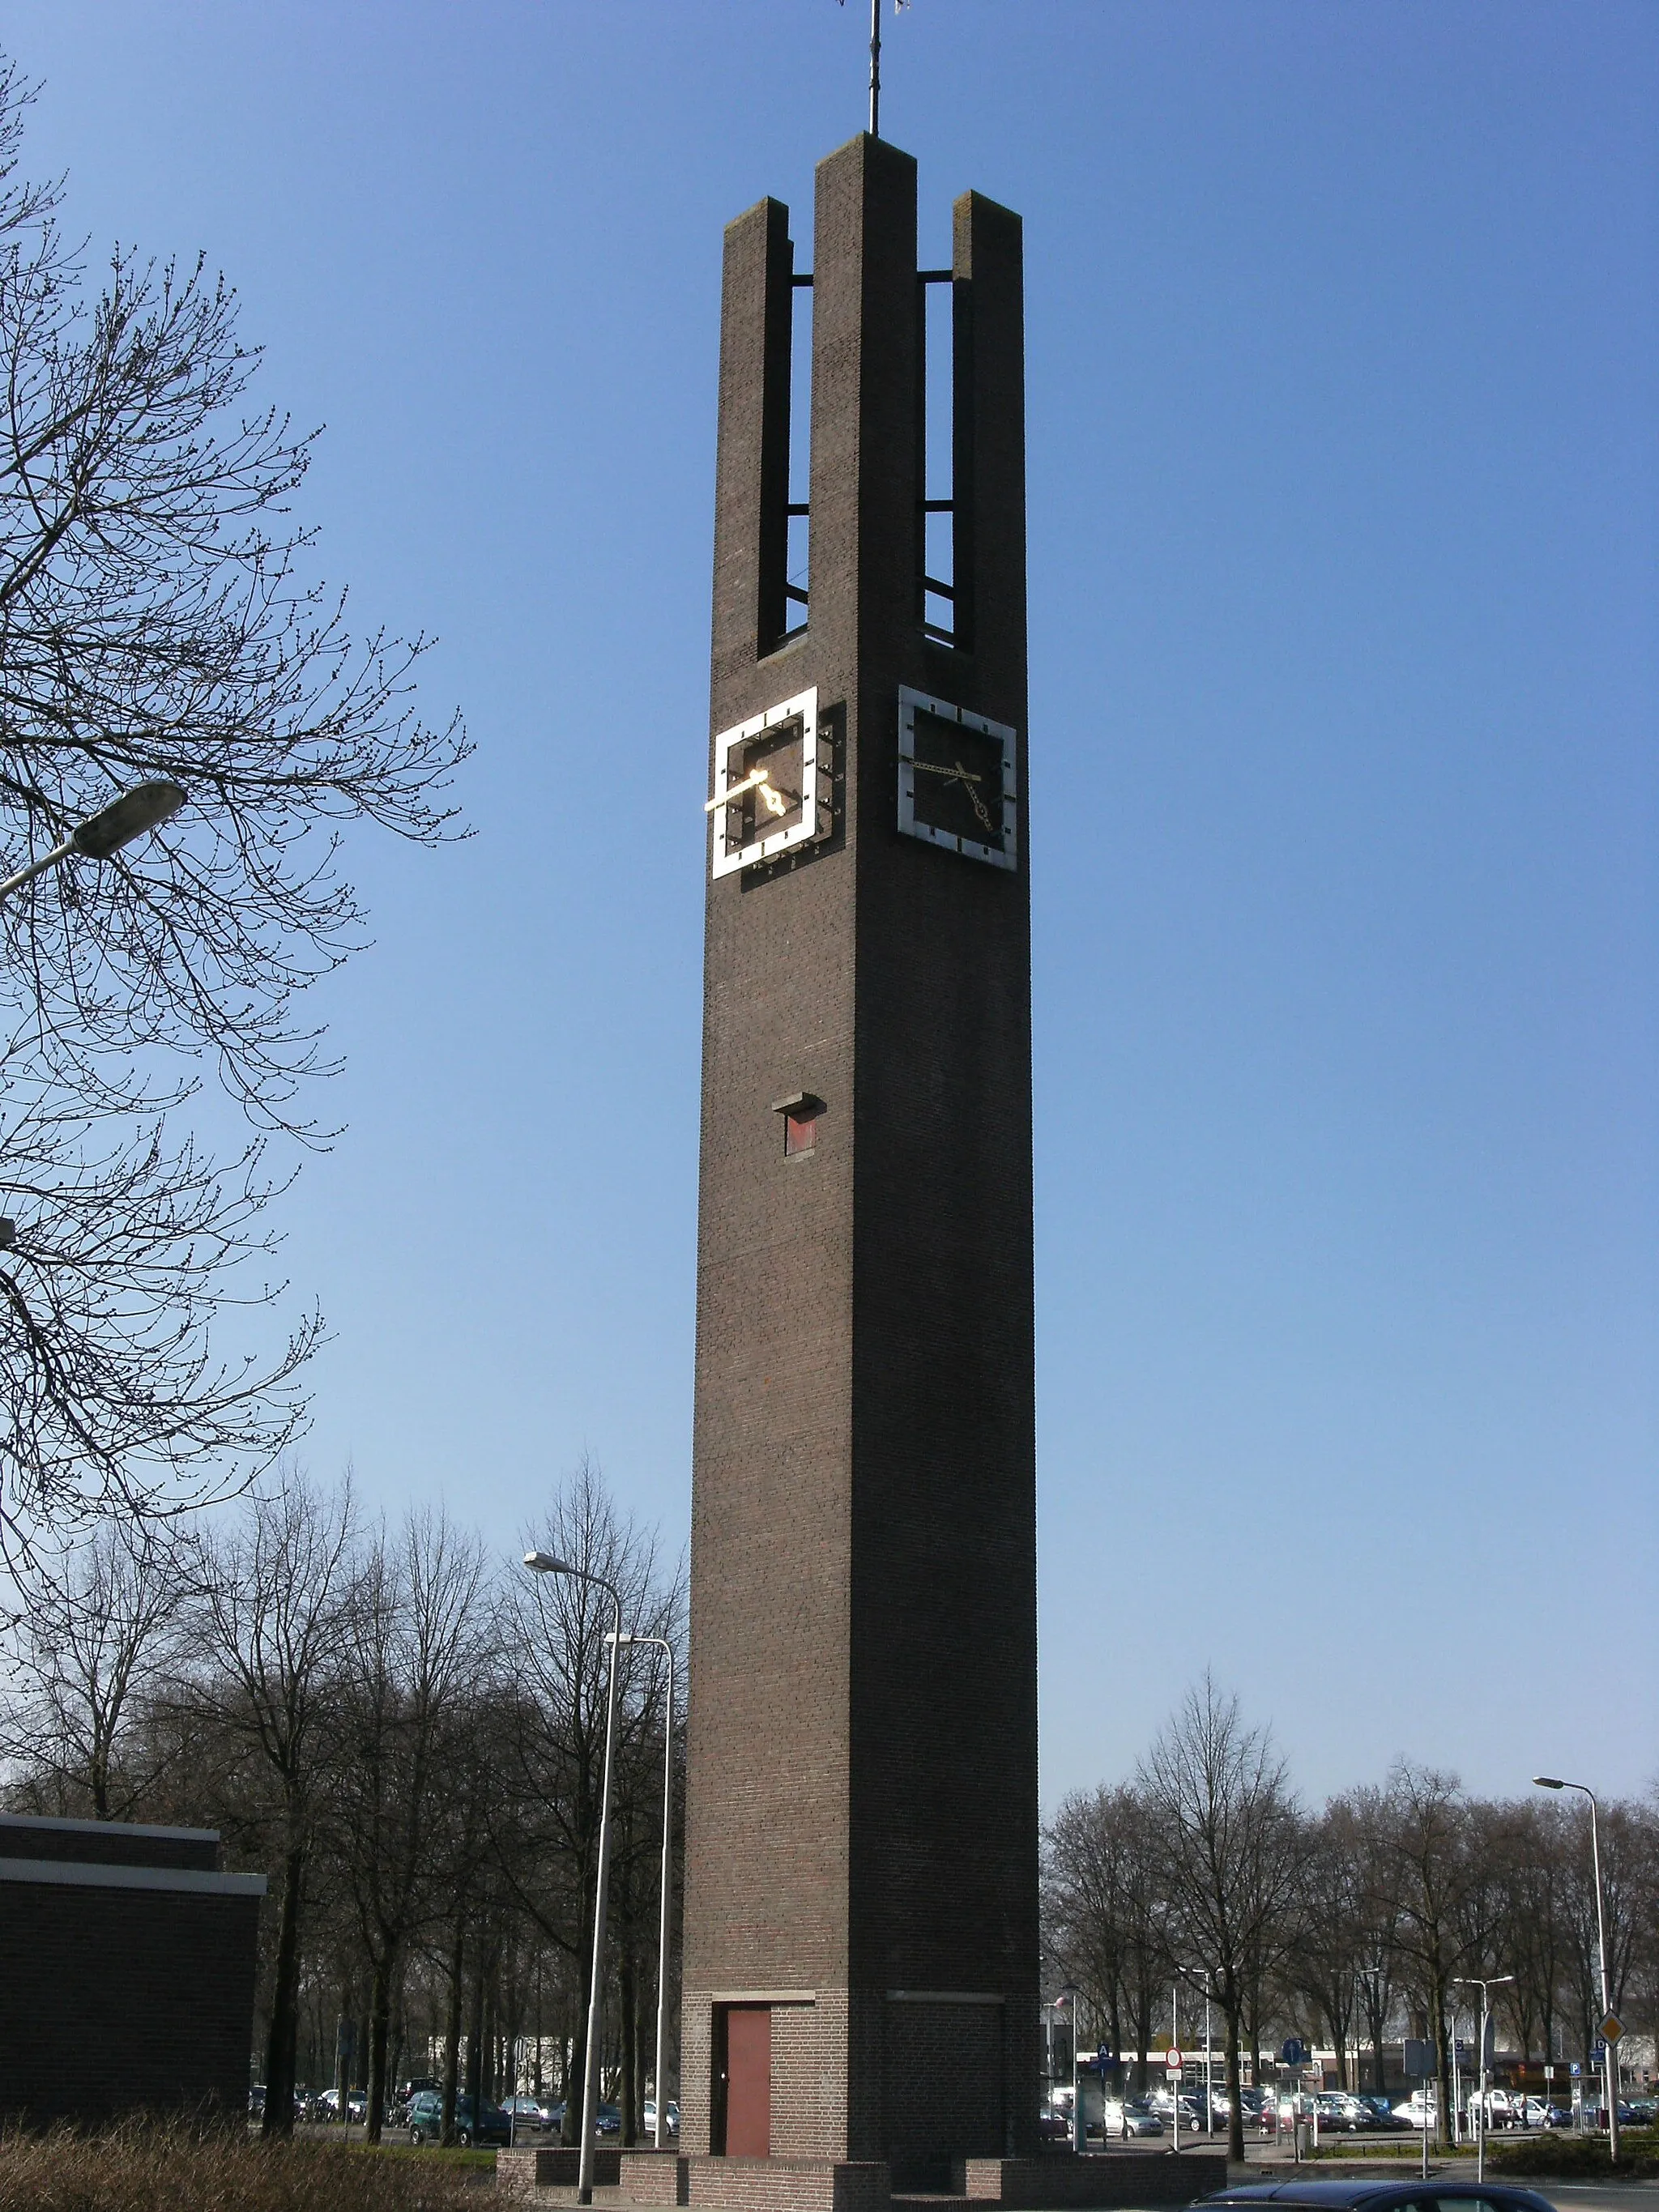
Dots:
(1058, 2183)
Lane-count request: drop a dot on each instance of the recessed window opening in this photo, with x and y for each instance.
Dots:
(938, 533)
(800, 1134)
(797, 578)
(800, 1112)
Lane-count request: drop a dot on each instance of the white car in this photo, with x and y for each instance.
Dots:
(671, 2116)
(1416, 2113)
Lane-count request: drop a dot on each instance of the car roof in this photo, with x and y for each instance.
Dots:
(1374, 2193)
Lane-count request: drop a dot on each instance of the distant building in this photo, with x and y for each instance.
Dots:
(127, 1963)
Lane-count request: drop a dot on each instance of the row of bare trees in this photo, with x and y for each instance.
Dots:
(1349, 1926)
(407, 1732)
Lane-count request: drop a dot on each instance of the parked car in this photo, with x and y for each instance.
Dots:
(671, 2116)
(523, 2112)
(1417, 2111)
(1646, 2110)
(1343, 2114)
(326, 2105)
(1381, 2112)
(607, 2121)
(1054, 2127)
(1140, 2119)
(1345, 2196)
(1558, 2115)
(426, 2120)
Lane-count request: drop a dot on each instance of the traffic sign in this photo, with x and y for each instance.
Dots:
(1294, 2053)
(1172, 2059)
(1598, 2053)
(1549, 2073)
(1103, 2057)
(1575, 2069)
(1611, 2027)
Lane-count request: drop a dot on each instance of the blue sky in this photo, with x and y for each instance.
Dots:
(1343, 364)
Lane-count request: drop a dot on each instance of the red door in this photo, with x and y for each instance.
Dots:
(749, 2082)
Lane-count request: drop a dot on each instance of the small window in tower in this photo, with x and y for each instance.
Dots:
(800, 1112)
(800, 1134)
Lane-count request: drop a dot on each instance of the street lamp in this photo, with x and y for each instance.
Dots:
(1475, 1982)
(1609, 2058)
(544, 1563)
(145, 807)
(662, 1643)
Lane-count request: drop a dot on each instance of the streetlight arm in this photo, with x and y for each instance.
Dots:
(145, 807)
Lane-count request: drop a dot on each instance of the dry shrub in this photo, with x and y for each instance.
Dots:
(150, 2165)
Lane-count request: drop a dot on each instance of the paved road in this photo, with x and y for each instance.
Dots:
(1601, 2196)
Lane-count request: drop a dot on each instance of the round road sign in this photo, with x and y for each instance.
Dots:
(1172, 2059)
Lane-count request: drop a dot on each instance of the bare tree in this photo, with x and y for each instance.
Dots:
(1425, 1853)
(1378, 1906)
(92, 1650)
(155, 622)
(419, 1638)
(1226, 1824)
(554, 1750)
(1330, 1940)
(158, 621)
(124, 1252)
(273, 1591)
(1101, 1896)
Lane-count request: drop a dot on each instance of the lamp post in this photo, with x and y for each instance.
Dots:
(662, 1643)
(1071, 1991)
(1610, 2059)
(1475, 1982)
(145, 807)
(544, 1563)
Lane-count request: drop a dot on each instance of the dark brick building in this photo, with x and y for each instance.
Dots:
(127, 1963)
(861, 1944)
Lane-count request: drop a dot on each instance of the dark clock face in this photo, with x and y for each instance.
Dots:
(956, 780)
(958, 788)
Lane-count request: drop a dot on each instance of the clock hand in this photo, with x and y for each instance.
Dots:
(773, 801)
(956, 773)
(755, 777)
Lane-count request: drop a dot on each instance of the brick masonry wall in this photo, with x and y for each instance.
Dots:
(943, 2089)
(809, 2076)
(112, 1999)
(862, 1810)
(658, 2176)
(777, 2185)
(1050, 2185)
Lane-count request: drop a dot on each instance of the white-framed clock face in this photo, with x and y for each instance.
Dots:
(956, 780)
(771, 790)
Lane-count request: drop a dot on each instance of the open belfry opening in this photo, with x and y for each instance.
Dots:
(860, 1980)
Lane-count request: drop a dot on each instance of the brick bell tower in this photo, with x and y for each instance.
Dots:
(861, 1946)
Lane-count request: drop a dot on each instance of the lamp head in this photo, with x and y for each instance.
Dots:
(145, 807)
(1548, 1781)
(544, 1563)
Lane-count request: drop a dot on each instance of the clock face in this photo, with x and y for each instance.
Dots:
(767, 785)
(956, 780)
